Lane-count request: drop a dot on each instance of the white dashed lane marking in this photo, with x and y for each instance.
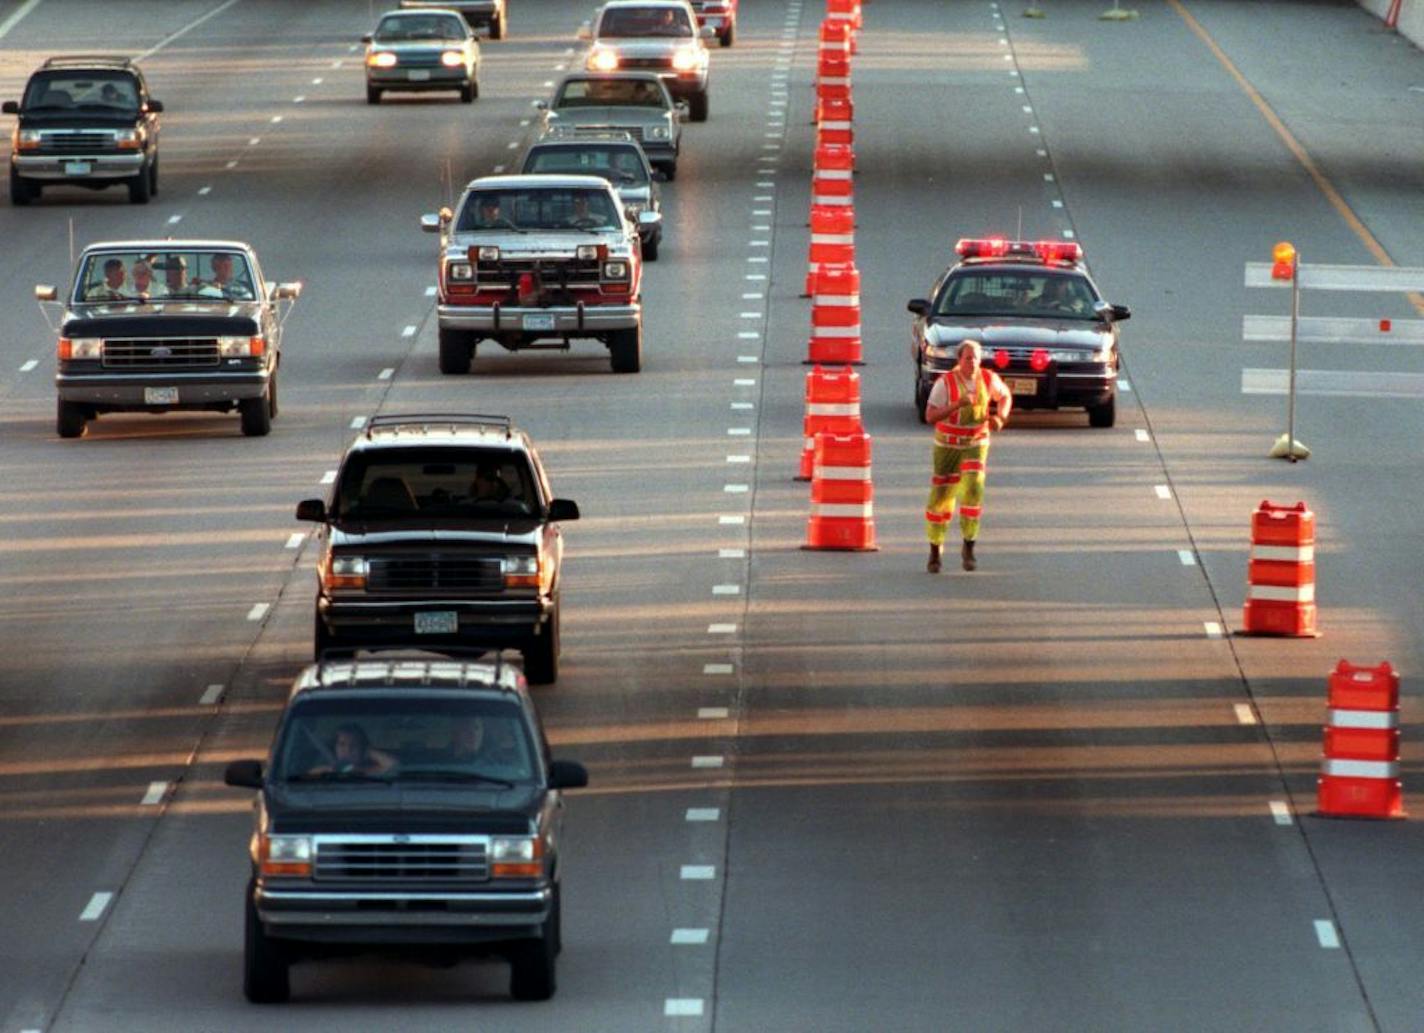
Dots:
(731, 518)
(96, 907)
(1163, 492)
(739, 459)
(204, 191)
(276, 120)
(1142, 435)
(736, 489)
(299, 99)
(174, 220)
(731, 554)
(254, 141)
(1188, 558)
(712, 713)
(698, 872)
(357, 422)
(708, 762)
(295, 539)
(704, 814)
(211, 695)
(430, 291)
(156, 792)
(739, 432)
(682, 1007)
(726, 589)
(329, 477)
(232, 164)
(1280, 812)
(408, 332)
(721, 629)
(1326, 934)
(742, 406)
(716, 668)
(317, 81)
(1244, 714)
(29, 365)
(689, 937)
(744, 382)
(1213, 629)
(258, 611)
(386, 373)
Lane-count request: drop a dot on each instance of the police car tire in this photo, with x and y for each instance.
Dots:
(698, 105)
(70, 419)
(153, 177)
(456, 351)
(469, 92)
(625, 350)
(1104, 415)
(265, 964)
(373, 95)
(922, 397)
(256, 414)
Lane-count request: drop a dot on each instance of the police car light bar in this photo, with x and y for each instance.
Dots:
(998, 247)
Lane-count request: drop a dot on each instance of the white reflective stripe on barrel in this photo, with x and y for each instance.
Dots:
(1359, 768)
(836, 331)
(1282, 593)
(835, 125)
(842, 509)
(832, 408)
(833, 238)
(831, 199)
(841, 473)
(832, 174)
(1284, 553)
(1378, 719)
(836, 300)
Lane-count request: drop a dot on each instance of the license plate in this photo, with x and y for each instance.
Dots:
(1021, 385)
(160, 396)
(437, 622)
(77, 168)
(419, 75)
(539, 322)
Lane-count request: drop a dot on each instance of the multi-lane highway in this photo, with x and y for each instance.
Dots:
(829, 791)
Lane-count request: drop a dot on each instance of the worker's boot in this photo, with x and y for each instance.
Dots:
(966, 555)
(933, 565)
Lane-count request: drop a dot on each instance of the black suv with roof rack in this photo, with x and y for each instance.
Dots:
(441, 533)
(409, 806)
(84, 120)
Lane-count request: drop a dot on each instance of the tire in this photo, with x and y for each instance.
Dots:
(153, 177)
(456, 351)
(140, 188)
(373, 95)
(22, 191)
(70, 419)
(468, 92)
(1104, 415)
(541, 656)
(650, 248)
(532, 964)
(497, 27)
(625, 350)
(256, 414)
(730, 36)
(272, 396)
(265, 962)
(670, 170)
(922, 396)
(698, 105)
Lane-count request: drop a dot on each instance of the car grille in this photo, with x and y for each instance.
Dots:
(654, 64)
(161, 353)
(636, 132)
(419, 59)
(61, 141)
(434, 573)
(454, 860)
(554, 274)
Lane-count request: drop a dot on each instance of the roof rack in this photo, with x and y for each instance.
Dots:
(325, 668)
(87, 60)
(459, 419)
(562, 131)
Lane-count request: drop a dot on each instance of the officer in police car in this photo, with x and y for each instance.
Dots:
(966, 405)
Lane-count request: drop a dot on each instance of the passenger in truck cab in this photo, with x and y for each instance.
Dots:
(141, 279)
(488, 486)
(112, 289)
(175, 274)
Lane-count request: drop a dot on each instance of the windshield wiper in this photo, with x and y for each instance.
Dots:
(454, 776)
(337, 776)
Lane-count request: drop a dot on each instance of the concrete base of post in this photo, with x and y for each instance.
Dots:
(1285, 448)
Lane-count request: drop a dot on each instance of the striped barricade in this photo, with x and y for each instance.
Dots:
(842, 495)
(1359, 772)
(1280, 581)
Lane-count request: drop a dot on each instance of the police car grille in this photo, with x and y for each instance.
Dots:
(163, 353)
(434, 573)
(571, 272)
(63, 142)
(444, 861)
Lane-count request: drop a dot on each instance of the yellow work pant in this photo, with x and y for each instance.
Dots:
(958, 478)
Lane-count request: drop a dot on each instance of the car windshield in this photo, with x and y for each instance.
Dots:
(538, 208)
(156, 274)
(1015, 292)
(413, 736)
(436, 483)
(403, 28)
(645, 21)
(620, 165)
(611, 92)
(81, 90)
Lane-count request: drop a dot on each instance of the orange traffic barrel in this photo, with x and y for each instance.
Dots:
(835, 37)
(833, 123)
(1359, 769)
(847, 11)
(832, 240)
(831, 170)
(835, 315)
(832, 77)
(842, 507)
(832, 407)
(1280, 589)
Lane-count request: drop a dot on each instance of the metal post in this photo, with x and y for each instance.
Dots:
(1294, 327)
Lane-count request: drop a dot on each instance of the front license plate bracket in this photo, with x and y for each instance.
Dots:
(437, 622)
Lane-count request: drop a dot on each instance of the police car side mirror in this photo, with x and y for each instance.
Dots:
(430, 222)
(10, 107)
(313, 510)
(563, 509)
(919, 306)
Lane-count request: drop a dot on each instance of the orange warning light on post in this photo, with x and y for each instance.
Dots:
(1283, 261)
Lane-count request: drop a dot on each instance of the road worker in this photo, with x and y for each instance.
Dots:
(965, 406)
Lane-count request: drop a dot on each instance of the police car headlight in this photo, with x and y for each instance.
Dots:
(460, 271)
(452, 59)
(659, 133)
(615, 270)
(1069, 356)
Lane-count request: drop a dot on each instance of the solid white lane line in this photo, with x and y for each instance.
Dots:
(1142, 435)
(386, 373)
(408, 331)
(712, 713)
(1280, 812)
(174, 220)
(707, 762)
(258, 611)
(155, 794)
(1244, 714)
(704, 814)
(1326, 934)
(1163, 492)
(204, 191)
(184, 30)
(329, 477)
(211, 695)
(1188, 558)
(689, 937)
(10, 22)
(295, 539)
(29, 365)
(97, 903)
(721, 629)
(430, 291)
(726, 589)
(698, 872)
(716, 668)
(731, 554)
(1213, 629)
(682, 1007)
(731, 518)
(357, 422)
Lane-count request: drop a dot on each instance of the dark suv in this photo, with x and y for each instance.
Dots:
(441, 533)
(84, 121)
(409, 806)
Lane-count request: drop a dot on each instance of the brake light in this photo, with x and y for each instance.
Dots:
(1058, 250)
(1001, 358)
(1038, 361)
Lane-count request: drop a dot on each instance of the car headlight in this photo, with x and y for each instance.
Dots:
(381, 59)
(659, 133)
(452, 59)
(601, 59)
(516, 857)
(586, 252)
(81, 347)
(127, 139)
(460, 271)
(344, 572)
(488, 253)
(684, 60)
(285, 855)
(520, 571)
(241, 347)
(26, 139)
(615, 270)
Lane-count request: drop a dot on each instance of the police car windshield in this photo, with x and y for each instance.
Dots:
(1023, 293)
(538, 208)
(159, 274)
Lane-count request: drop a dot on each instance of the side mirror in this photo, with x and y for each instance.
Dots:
(430, 222)
(565, 774)
(563, 509)
(288, 291)
(244, 774)
(585, 32)
(10, 107)
(313, 510)
(1121, 312)
(647, 218)
(366, 38)
(541, 105)
(707, 32)
(156, 106)
(919, 306)
(45, 292)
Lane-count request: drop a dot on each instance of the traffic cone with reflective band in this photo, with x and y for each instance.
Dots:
(1280, 589)
(831, 171)
(835, 316)
(833, 124)
(832, 407)
(834, 39)
(848, 12)
(1359, 773)
(832, 78)
(842, 507)
(832, 240)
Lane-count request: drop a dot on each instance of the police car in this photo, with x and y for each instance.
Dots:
(1044, 325)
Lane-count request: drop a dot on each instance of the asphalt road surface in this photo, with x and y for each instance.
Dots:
(829, 792)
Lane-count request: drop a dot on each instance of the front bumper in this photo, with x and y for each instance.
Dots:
(391, 916)
(57, 168)
(577, 321)
(439, 78)
(127, 391)
(1052, 389)
(481, 622)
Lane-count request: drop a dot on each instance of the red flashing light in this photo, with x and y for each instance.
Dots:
(992, 247)
(998, 247)
(1283, 259)
(1058, 250)
(1001, 358)
(1038, 361)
